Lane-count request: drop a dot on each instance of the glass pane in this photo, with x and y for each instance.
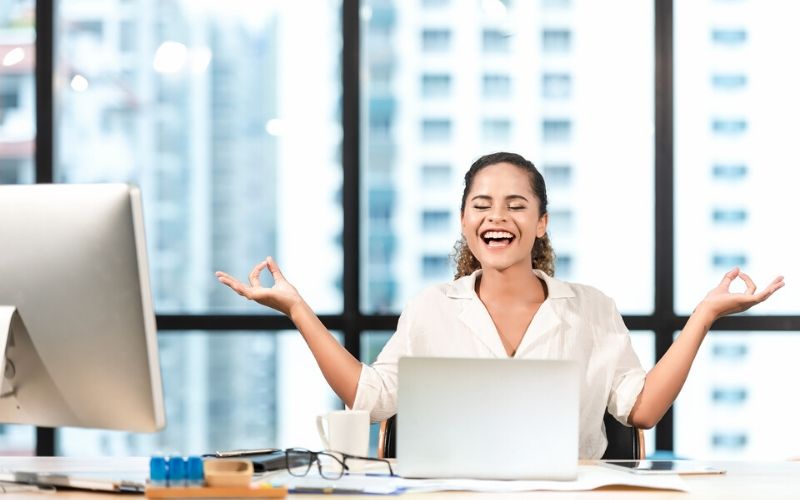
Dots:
(226, 113)
(735, 117)
(17, 91)
(225, 390)
(567, 84)
(643, 343)
(739, 401)
(17, 135)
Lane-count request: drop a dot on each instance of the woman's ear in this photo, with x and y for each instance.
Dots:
(541, 226)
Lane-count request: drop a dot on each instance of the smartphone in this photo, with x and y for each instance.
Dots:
(662, 466)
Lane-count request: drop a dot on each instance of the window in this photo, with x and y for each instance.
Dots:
(556, 85)
(561, 221)
(731, 441)
(209, 112)
(496, 129)
(729, 396)
(729, 37)
(496, 86)
(556, 41)
(729, 216)
(556, 130)
(168, 113)
(557, 175)
(127, 36)
(728, 127)
(555, 4)
(436, 130)
(726, 261)
(729, 351)
(435, 40)
(232, 409)
(435, 3)
(436, 176)
(510, 95)
(381, 205)
(435, 220)
(496, 41)
(436, 85)
(435, 267)
(728, 81)
(564, 265)
(729, 172)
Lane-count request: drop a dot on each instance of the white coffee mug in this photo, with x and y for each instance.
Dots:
(347, 431)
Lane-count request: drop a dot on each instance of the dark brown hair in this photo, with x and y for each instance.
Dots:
(542, 254)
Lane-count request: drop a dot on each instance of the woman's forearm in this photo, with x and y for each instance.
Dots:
(665, 380)
(338, 366)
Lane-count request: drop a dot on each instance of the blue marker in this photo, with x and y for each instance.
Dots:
(194, 471)
(177, 472)
(158, 471)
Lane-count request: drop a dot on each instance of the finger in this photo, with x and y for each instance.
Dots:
(773, 287)
(254, 274)
(751, 286)
(776, 284)
(274, 269)
(729, 277)
(233, 283)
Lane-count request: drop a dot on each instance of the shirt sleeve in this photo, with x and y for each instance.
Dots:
(628, 376)
(377, 385)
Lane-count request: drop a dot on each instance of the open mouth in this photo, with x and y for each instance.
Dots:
(497, 238)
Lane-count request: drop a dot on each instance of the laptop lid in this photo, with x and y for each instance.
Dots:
(487, 418)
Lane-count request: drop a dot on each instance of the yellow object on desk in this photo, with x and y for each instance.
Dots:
(225, 478)
(260, 491)
(228, 472)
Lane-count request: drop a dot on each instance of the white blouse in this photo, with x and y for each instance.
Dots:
(575, 322)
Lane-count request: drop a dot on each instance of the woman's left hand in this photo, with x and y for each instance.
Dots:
(721, 301)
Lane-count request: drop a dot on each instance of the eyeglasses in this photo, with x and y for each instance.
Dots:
(330, 465)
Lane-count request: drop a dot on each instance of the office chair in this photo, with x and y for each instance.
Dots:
(624, 443)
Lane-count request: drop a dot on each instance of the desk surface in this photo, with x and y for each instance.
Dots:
(743, 480)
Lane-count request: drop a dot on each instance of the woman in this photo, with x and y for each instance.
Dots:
(505, 302)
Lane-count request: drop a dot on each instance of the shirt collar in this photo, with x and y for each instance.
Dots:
(464, 287)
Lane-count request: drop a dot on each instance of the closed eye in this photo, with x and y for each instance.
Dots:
(481, 207)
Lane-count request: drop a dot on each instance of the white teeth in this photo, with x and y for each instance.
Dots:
(497, 234)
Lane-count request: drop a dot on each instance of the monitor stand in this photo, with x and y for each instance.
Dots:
(28, 394)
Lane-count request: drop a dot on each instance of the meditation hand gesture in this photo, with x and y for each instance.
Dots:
(721, 301)
(281, 297)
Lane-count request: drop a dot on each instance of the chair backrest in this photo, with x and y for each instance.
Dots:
(624, 443)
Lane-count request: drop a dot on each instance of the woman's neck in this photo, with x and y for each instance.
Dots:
(510, 284)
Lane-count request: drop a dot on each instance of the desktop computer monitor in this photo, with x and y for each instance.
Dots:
(77, 327)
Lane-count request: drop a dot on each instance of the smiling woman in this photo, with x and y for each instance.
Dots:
(505, 303)
(520, 190)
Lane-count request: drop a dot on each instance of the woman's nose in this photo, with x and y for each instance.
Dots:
(498, 214)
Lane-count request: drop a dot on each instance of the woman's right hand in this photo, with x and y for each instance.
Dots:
(282, 296)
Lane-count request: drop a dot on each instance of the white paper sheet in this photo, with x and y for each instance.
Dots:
(589, 477)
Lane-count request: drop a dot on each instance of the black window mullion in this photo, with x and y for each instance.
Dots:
(43, 148)
(351, 162)
(664, 313)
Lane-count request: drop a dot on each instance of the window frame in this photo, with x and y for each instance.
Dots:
(351, 321)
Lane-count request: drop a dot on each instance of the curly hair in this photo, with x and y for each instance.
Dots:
(542, 255)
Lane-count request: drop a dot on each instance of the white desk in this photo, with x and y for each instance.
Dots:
(759, 480)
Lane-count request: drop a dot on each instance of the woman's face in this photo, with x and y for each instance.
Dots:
(501, 217)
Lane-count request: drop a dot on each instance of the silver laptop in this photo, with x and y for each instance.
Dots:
(487, 418)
